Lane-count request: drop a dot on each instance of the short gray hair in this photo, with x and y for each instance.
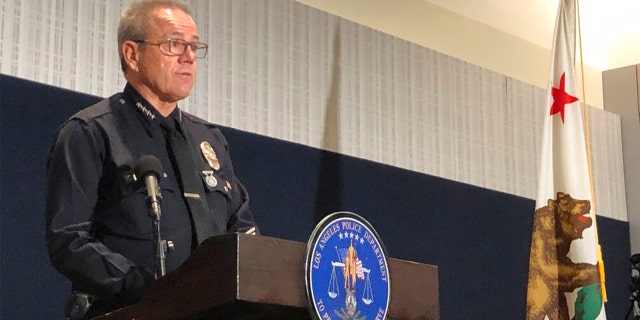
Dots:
(133, 23)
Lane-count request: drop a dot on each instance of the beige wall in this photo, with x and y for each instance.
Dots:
(444, 31)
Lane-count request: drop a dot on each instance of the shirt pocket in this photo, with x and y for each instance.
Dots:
(135, 213)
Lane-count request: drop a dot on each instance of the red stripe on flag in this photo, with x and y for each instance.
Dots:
(359, 271)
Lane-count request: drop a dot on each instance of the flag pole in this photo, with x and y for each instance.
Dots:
(588, 145)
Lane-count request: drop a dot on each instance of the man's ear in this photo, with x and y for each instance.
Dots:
(131, 54)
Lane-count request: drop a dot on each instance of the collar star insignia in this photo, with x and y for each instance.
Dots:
(145, 111)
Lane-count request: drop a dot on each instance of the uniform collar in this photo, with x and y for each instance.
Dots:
(149, 116)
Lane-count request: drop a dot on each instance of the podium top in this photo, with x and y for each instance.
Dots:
(235, 276)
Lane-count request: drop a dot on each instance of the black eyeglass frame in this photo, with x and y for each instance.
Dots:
(199, 48)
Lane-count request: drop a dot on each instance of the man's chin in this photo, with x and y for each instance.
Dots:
(181, 95)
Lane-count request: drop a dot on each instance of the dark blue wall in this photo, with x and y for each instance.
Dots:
(478, 238)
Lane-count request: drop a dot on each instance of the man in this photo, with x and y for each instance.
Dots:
(100, 232)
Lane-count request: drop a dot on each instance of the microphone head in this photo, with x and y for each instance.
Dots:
(146, 165)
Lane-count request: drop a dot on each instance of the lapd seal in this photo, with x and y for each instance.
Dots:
(346, 270)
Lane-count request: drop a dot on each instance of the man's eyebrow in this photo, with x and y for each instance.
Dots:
(180, 34)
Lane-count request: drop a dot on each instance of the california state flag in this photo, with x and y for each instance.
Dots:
(564, 275)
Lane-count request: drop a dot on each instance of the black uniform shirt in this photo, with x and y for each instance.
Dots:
(99, 230)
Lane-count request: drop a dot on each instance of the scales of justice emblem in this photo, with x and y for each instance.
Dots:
(346, 270)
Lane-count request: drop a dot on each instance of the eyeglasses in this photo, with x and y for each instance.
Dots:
(177, 47)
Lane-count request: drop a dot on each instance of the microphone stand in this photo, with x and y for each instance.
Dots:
(148, 168)
(161, 245)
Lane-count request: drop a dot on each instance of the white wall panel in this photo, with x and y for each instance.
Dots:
(282, 69)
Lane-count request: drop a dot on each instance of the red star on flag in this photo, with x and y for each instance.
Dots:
(560, 99)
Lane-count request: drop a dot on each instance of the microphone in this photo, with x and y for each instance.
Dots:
(149, 168)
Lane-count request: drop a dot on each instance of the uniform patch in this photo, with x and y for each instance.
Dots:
(346, 270)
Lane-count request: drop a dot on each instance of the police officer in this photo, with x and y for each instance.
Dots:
(99, 231)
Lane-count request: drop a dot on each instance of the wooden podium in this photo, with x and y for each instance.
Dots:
(239, 276)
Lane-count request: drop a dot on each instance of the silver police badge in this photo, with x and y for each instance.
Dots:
(346, 270)
(209, 179)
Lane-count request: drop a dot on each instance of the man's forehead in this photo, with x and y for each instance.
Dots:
(174, 22)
